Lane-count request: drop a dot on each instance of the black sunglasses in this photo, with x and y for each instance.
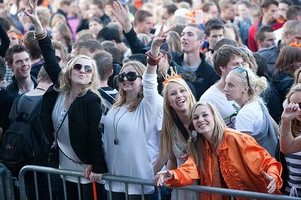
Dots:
(130, 76)
(87, 68)
(241, 70)
(59, 59)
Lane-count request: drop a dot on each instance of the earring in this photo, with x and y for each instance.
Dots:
(140, 94)
(194, 135)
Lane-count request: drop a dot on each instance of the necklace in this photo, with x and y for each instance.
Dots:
(245, 103)
(38, 88)
(115, 125)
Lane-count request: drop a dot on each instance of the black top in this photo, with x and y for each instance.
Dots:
(4, 42)
(6, 101)
(205, 74)
(14, 88)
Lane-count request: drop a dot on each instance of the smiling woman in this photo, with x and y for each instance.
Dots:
(128, 126)
(70, 114)
(178, 101)
(223, 157)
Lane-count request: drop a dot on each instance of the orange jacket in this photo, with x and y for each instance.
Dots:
(241, 160)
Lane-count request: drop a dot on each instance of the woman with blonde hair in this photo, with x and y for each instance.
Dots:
(253, 118)
(222, 157)
(178, 101)
(71, 113)
(290, 142)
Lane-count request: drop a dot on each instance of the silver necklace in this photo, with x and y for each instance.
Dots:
(115, 125)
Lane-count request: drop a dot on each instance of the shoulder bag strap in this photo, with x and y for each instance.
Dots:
(181, 127)
(37, 107)
(57, 131)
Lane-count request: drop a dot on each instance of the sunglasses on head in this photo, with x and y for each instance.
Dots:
(59, 59)
(87, 68)
(130, 76)
(242, 70)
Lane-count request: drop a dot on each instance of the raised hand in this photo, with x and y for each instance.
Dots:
(122, 15)
(272, 185)
(161, 37)
(290, 112)
(31, 12)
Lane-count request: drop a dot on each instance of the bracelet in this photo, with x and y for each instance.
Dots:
(41, 36)
(153, 60)
(285, 134)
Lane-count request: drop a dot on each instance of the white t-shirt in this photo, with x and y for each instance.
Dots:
(153, 145)
(278, 34)
(250, 118)
(227, 109)
(133, 130)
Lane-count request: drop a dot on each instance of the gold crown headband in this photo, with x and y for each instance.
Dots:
(295, 44)
(170, 76)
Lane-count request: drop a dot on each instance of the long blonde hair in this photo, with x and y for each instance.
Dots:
(296, 124)
(65, 77)
(196, 148)
(170, 114)
(121, 97)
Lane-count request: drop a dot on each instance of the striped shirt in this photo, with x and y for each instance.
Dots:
(293, 187)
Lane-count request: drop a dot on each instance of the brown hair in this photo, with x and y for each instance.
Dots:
(121, 97)
(288, 56)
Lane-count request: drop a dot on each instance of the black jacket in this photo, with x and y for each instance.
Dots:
(14, 88)
(6, 102)
(5, 41)
(205, 76)
(83, 117)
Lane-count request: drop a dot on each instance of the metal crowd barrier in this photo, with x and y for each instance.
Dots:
(6, 184)
(130, 180)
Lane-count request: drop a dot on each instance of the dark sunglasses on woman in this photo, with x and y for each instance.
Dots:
(87, 68)
(130, 76)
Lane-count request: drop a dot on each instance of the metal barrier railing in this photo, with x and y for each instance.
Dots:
(130, 180)
(6, 184)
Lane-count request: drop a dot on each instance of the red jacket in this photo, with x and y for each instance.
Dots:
(252, 32)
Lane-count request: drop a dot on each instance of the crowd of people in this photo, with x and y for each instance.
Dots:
(178, 91)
